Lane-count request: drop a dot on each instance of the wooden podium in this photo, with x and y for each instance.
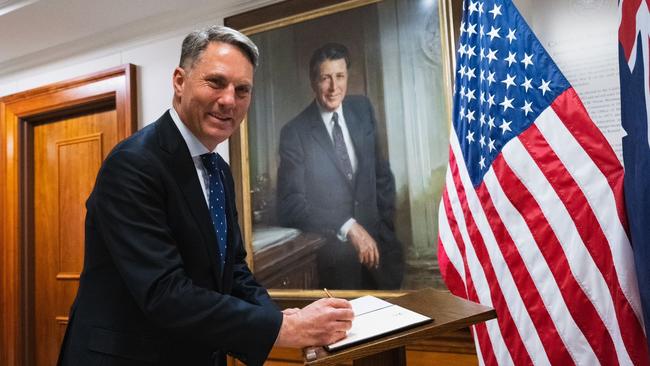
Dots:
(448, 312)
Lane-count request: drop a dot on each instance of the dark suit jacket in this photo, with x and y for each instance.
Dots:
(151, 292)
(314, 194)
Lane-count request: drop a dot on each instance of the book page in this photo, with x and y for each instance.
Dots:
(366, 304)
(375, 317)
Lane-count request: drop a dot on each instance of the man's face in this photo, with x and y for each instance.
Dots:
(331, 84)
(213, 96)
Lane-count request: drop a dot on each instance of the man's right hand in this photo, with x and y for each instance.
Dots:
(365, 246)
(320, 323)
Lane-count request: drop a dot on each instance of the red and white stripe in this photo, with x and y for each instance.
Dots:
(543, 241)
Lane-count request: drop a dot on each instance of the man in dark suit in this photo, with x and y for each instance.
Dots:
(165, 280)
(333, 180)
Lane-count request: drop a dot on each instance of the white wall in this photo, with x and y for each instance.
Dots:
(155, 58)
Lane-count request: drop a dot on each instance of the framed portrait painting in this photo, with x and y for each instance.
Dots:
(341, 161)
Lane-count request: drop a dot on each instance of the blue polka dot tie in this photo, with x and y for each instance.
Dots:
(217, 202)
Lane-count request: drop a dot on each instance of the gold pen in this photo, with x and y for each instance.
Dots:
(327, 292)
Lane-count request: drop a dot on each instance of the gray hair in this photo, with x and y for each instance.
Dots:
(196, 42)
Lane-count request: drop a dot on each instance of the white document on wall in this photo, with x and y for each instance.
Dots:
(375, 317)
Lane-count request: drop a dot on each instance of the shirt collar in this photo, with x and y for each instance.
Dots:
(193, 144)
(327, 115)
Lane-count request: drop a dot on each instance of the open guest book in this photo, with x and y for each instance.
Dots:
(374, 317)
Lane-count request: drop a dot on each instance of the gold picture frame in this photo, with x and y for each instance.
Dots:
(293, 13)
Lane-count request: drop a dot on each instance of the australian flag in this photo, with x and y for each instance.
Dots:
(634, 56)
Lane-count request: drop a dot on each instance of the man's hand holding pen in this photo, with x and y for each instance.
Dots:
(320, 323)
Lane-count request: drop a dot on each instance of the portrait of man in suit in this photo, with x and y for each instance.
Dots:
(333, 180)
(165, 280)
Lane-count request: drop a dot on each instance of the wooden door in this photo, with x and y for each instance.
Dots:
(52, 142)
(67, 155)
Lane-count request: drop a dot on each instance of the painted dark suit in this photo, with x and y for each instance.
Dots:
(152, 291)
(314, 195)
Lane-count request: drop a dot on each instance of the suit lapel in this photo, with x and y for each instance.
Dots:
(184, 172)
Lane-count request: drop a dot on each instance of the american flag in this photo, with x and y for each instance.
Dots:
(532, 219)
(634, 66)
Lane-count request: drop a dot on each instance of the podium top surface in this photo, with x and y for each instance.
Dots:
(448, 312)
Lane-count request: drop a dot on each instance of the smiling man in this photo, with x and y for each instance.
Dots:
(333, 180)
(165, 281)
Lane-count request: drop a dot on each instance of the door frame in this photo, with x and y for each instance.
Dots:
(18, 114)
